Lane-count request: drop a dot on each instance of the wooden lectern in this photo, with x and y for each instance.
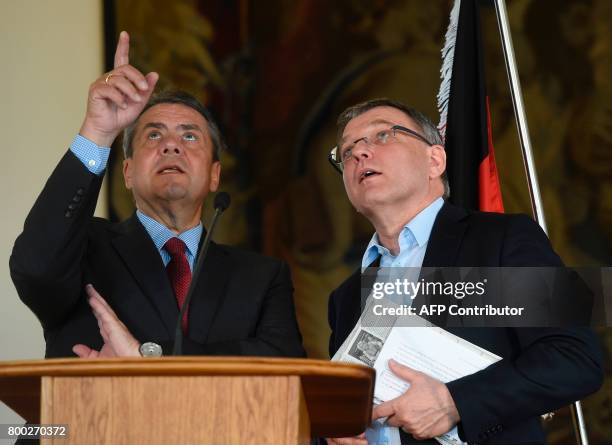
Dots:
(191, 400)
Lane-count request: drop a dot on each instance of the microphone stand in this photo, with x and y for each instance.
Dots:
(221, 203)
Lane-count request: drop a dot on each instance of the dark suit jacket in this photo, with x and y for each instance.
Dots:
(542, 369)
(242, 305)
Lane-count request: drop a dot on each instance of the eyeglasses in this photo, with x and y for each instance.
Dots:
(339, 155)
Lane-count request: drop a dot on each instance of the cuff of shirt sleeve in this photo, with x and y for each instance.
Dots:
(93, 157)
(453, 436)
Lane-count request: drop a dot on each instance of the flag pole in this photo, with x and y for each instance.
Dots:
(519, 112)
(532, 178)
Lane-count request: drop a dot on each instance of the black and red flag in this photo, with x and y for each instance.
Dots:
(465, 121)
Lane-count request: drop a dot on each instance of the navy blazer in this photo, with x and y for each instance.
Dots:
(542, 369)
(242, 305)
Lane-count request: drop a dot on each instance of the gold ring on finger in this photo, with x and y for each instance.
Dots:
(109, 75)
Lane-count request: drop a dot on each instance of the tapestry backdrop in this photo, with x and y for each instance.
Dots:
(278, 73)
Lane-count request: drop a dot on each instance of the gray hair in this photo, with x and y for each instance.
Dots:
(424, 124)
(181, 98)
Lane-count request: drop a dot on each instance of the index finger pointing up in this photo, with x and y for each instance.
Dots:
(122, 53)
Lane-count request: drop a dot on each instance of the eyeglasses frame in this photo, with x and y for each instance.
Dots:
(338, 165)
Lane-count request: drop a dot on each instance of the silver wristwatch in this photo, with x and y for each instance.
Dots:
(150, 349)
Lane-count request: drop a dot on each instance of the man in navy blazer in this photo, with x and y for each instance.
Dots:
(101, 289)
(393, 166)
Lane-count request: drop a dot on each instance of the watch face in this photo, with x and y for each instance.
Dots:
(150, 349)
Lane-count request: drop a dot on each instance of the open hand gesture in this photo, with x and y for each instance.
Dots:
(118, 341)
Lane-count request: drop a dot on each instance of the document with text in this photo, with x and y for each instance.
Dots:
(427, 348)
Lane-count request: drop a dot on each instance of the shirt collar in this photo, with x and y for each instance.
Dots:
(160, 234)
(415, 233)
(423, 222)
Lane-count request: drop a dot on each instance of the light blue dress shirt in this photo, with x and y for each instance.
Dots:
(160, 234)
(92, 156)
(95, 159)
(413, 241)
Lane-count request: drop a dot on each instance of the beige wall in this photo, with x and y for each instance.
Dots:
(50, 52)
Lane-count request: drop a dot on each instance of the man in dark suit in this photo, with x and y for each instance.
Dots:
(102, 289)
(393, 166)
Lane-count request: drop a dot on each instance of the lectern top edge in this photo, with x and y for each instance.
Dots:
(183, 366)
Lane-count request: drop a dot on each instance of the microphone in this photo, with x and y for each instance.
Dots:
(222, 202)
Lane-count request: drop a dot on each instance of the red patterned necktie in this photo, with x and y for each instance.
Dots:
(179, 273)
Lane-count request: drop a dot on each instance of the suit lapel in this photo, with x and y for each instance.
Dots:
(353, 300)
(442, 250)
(446, 236)
(209, 291)
(135, 247)
(349, 309)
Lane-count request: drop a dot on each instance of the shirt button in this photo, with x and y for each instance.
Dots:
(92, 163)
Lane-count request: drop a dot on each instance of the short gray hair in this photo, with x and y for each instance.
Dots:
(181, 98)
(424, 124)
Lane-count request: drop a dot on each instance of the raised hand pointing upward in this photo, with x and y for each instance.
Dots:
(116, 98)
